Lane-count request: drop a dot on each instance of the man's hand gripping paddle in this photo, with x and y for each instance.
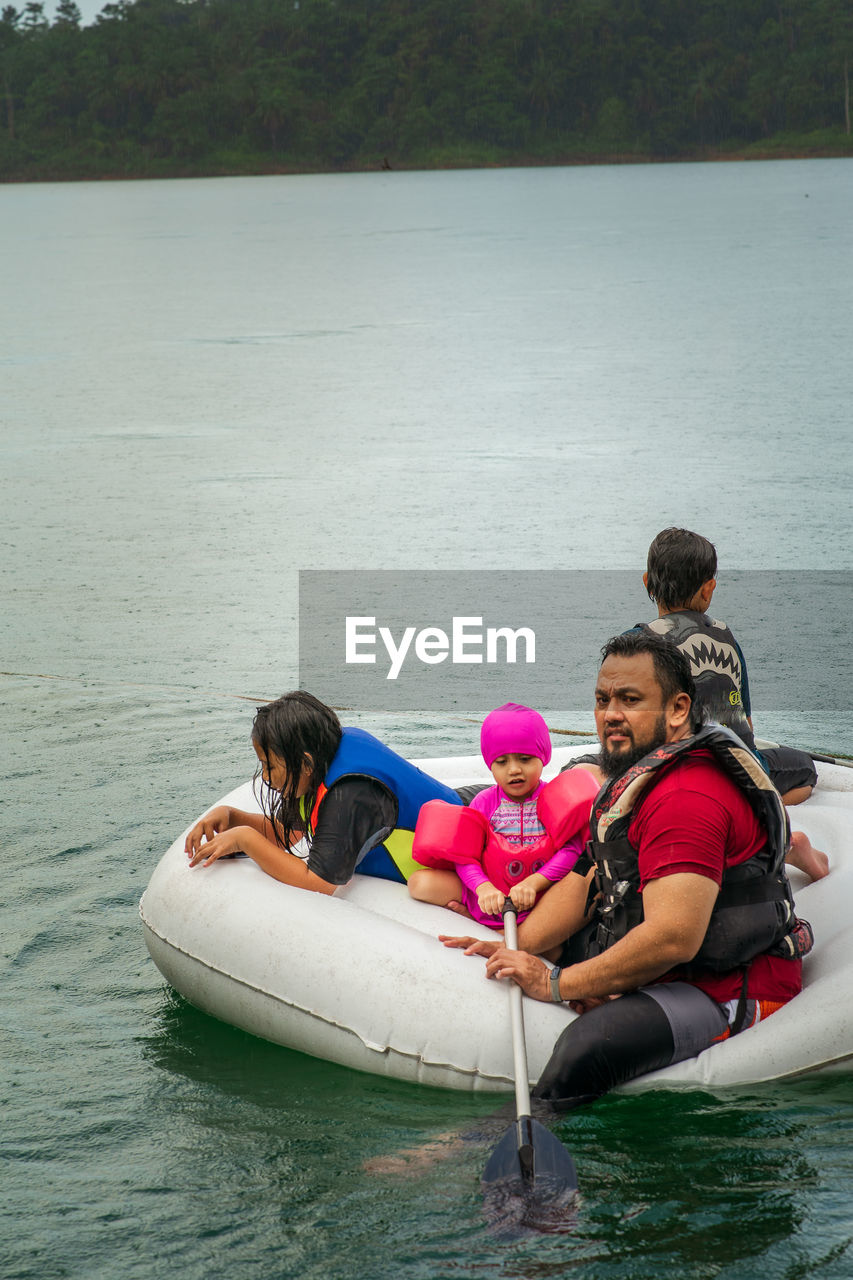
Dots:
(528, 1161)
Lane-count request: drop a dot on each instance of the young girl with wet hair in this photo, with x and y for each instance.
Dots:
(352, 800)
(291, 732)
(516, 838)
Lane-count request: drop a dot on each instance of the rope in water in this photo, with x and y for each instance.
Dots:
(841, 758)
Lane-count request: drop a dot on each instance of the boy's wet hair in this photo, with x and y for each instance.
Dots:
(672, 668)
(292, 727)
(679, 563)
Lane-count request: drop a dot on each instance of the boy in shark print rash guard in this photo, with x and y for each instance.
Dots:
(680, 579)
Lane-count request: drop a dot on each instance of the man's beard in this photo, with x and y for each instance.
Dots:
(614, 764)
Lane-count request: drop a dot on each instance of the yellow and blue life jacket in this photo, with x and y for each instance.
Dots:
(360, 755)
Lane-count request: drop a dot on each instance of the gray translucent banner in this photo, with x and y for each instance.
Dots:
(465, 641)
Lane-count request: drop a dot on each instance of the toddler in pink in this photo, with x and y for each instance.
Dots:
(515, 839)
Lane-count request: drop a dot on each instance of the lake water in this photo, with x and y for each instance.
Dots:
(206, 386)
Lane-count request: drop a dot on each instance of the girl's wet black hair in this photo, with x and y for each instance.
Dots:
(297, 729)
(672, 668)
(679, 563)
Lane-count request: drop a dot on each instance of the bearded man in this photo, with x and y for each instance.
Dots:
(686, 914)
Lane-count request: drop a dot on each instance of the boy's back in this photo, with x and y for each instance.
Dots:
(680, 578)
(716, 663)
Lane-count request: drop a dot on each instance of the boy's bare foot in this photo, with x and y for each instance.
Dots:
(806, 858)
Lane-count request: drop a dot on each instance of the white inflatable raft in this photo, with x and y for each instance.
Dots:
(358, 977)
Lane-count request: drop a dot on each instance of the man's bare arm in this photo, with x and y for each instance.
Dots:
(677, 910)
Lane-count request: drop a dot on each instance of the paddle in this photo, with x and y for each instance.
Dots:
(844, 761)
(528, 1161)
(820, 759)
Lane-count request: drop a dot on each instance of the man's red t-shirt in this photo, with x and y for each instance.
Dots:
(697, 819)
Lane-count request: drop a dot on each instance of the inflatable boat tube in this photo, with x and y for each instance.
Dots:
(358, 977)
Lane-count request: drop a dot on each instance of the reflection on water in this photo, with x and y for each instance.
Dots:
(688, 1184)
(514, 1211)
(715, 1180)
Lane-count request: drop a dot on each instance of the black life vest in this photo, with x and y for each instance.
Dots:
(754, 911)
(715, 664)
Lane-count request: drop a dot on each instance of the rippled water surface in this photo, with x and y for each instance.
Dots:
(209, 385)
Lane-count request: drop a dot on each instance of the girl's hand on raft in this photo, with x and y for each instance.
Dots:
(491, 900)
(207, 827)
(523, 894)
(531, 973)
(221, 846)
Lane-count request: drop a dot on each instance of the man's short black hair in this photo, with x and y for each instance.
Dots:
(672, 669)
(679, 563)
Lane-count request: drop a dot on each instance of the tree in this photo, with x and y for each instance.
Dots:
(834, 32)
(34, 19)
(67, 14)
(9, 37)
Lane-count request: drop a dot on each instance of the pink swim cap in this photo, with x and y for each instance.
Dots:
(514, 730)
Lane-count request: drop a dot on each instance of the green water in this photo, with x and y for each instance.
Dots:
(208, 386)
(224, 1155)
(143, 1138)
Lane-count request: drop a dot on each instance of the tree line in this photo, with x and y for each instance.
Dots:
(219, 86)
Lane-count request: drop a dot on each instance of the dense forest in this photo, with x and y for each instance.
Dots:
(256, 86)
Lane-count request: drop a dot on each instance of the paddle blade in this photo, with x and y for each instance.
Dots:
(532, 1188)
(529, 1153)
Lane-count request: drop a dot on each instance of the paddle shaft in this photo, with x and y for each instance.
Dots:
(519, 1047)
(527, 1154)
(817, 756)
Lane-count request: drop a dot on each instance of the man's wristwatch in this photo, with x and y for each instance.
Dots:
(555, 985)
